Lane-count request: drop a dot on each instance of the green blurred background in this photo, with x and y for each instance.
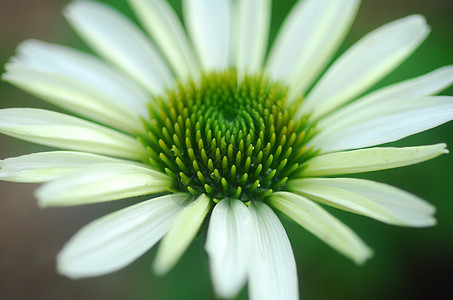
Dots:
(408, 263)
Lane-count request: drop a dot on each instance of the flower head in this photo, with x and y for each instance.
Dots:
(207, 125)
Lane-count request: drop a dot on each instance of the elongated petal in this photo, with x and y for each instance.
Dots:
(79, 83)
(164, 26)
(365, 63)
(318, 221)
(373, 159)
(376, 200)
(181, 234)
(385, 123)
(82, 66)
(273, 273)
(426, 85)
(45, 166)
(252, 34)
(63, 131)
(116, 240)
(208, 23)
(121, 42)
(228, 246)
(73, 96)
(102, 182)
(308, 39)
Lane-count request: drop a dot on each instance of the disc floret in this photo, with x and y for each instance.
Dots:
(227, 139)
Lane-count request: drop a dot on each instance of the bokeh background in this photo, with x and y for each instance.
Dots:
(408, 263)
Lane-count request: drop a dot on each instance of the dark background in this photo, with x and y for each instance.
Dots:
(408, 263)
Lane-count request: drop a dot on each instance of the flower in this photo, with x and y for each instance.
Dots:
(207, 126)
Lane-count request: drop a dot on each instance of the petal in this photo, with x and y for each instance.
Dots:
(60, 130)
(208, 23)
(373, 159)
(308, 39)
(252, 33)
(383, 123)
(375, 200)
(318, 221)
(182, 232)
(163, 25)
(79, 83)
(228, 246)
(426, 85)
(116, 240)
(82, 66)
(102, 182)
(234, 32)
(273, 272)
(45, 166)
(365, 63)
(118, 40)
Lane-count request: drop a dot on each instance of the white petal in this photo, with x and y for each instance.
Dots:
(63, 131)
(308, 39)
(376, 200)
(373, 159)
(83, 66)
(181, 234)
(228, 246)
(208, 23)
(252, 33)
(45, 166)
(383, 123)
(73, 96)
(78, 82)
(365, 63)
(273, 272)
(164, 26)
(116, 240)
(102, 182)
(121, 42)
(318, 221)
(426, 85)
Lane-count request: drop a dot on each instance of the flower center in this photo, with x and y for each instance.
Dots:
(227, 139)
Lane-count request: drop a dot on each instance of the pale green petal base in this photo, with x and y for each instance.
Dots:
(181, 234)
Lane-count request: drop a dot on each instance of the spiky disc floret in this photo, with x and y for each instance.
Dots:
(227, 139)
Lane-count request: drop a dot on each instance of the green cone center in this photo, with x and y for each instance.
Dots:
(227, 139)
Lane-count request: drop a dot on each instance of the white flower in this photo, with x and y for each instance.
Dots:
(204, 120)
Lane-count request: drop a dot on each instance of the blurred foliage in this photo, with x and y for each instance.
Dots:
(408, 263)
